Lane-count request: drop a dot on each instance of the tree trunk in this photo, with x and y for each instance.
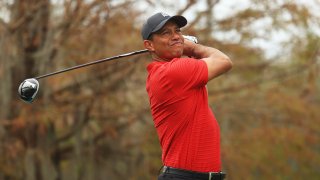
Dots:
(5, 74)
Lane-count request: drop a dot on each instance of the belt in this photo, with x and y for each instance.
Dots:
(192, 174)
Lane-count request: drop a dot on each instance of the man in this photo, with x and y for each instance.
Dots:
(176, 84)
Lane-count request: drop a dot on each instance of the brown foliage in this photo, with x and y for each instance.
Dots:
(95, 122)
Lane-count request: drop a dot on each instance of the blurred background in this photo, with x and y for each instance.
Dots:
(95, 123)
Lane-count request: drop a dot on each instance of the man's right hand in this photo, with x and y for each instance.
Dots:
(188, 49)
(190, 38)
(217, 62)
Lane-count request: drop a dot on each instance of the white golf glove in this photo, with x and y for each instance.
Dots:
(190, 38)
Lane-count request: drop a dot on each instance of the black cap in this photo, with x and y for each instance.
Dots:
(157, 21)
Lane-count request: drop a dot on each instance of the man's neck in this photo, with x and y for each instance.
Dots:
(159, 59)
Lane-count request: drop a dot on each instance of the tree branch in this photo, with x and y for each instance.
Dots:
(279, 77)
(187, 6)
(18, 23)
(116, 77)
(81, 117)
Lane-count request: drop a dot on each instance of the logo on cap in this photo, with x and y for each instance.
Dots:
(164, 14)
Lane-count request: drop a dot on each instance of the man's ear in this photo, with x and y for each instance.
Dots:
(148, 45)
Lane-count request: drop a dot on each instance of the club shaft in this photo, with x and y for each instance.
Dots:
(94, 62)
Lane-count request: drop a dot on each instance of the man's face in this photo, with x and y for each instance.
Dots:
(167, 43)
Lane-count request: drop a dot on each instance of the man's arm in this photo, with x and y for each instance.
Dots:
(217, 62)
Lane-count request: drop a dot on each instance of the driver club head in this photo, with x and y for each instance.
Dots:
(28, 90)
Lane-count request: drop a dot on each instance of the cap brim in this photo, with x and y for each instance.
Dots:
(180, 20)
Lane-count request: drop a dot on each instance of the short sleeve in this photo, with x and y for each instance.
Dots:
(188, 73)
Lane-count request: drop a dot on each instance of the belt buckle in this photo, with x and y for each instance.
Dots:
(210, 175)
(165, 168)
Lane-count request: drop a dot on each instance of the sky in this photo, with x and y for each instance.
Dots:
(272, 47)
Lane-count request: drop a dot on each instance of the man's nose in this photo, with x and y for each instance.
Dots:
(176, 35)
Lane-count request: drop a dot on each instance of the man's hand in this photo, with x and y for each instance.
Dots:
(217, 62)
(189, 45)
(190, 38)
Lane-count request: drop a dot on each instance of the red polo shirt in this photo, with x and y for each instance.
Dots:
(187, 129)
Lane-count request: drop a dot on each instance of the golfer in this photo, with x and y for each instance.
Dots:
(176, 84)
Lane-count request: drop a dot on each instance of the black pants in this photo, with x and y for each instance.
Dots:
(169, 173)
(165, 176)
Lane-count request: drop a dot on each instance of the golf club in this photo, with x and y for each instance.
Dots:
(28, 88)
